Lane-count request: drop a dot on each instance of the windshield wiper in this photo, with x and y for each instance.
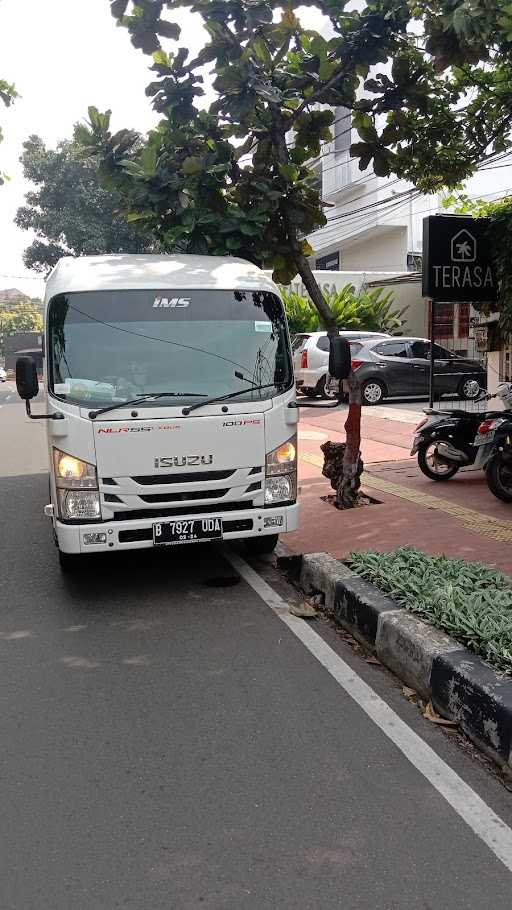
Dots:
(150, 396)
(253, 388)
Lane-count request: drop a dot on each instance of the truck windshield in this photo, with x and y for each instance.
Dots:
(112, 346)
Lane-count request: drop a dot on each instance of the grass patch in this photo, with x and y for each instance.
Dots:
(470, 601)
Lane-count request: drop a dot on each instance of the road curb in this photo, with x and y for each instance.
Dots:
(460, 685)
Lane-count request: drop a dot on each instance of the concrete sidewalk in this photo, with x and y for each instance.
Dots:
(460, 517)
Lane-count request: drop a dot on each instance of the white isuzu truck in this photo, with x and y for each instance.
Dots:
(170, 404)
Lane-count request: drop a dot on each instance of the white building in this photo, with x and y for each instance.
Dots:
(374, 223)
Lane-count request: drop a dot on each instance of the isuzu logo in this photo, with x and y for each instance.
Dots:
(171, 302)
(182, 461)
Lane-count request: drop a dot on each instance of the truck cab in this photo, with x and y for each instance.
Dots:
(170, 403)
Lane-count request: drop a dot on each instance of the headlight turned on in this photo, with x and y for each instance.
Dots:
(283, 459)
(72, 473)
(77, 488)
(281, 473)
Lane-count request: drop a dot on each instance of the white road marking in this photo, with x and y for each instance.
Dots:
(488, 826)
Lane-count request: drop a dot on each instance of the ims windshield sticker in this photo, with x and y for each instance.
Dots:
(263, 327)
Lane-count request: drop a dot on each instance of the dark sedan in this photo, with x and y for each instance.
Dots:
(401, 367)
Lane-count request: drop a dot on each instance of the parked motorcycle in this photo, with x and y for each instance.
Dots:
(444, 441)
(493, 447)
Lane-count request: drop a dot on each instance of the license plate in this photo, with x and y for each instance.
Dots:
(482, 438)
(186, 530)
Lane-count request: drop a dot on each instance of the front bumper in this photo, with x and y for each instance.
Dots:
(136, 535)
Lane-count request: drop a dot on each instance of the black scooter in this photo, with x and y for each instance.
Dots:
(493, 447)
(444, 440)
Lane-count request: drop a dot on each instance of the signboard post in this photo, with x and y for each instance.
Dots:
(457, 267)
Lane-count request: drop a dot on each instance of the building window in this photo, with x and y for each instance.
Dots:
(444, 327)
(330, 263)
(414, 262)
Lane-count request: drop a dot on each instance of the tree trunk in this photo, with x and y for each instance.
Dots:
(347, 496)
(347, 492)
(313, 289)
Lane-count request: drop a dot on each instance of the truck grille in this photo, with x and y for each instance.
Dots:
(200, 477)
(139, 514)
(151, 496)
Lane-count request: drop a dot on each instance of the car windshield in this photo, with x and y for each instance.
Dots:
(113, 346)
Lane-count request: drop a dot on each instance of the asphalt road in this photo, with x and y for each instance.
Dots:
(167, 742)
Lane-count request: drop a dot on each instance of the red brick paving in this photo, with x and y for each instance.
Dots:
(394, 522)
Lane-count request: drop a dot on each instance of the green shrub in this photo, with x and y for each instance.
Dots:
(368, 310)
(468, 600)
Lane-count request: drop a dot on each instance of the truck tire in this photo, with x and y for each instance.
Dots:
(261, 546)
(499, 476)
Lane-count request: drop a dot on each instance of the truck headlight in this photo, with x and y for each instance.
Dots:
(281, 488)
(281, 473)
(283, 459)
(79, 505)
(73, 473)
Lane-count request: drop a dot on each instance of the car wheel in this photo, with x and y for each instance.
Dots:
(320, 388)
(372, 392)
(469, 389)
(261, 546)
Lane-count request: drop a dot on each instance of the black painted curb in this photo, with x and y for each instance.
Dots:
(461, 685)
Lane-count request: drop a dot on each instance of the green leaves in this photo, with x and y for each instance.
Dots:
(372, 311)
(7, 92)
(192, 166)
(469, 601)
(99, 122)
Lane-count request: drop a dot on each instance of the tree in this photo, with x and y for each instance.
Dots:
(235, 178)
(23, 316)
(7, 95)
(69, 211)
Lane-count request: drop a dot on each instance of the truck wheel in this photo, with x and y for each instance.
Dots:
(430, 467)
(70, 563)
(261, 546)
(499, 476)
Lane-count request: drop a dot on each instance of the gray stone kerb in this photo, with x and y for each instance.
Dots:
(462, 687)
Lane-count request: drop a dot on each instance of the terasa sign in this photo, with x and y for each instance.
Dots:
(457, 263)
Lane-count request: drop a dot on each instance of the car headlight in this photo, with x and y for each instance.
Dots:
(73, 473)
(79, 505)
(283, 459)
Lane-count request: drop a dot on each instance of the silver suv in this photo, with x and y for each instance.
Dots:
(311, 358)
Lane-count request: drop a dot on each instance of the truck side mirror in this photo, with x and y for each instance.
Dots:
(27, 382)
(340, 359)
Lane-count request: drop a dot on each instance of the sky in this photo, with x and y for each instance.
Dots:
(64, 55)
